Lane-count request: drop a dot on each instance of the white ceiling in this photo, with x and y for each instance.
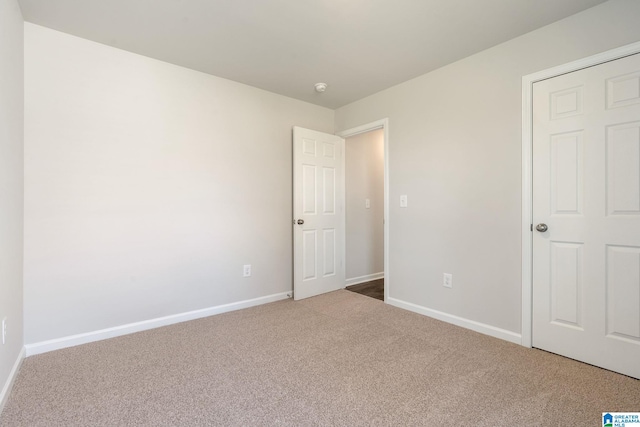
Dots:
(358, 47)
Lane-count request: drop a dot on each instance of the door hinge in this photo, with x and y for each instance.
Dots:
(531, 229)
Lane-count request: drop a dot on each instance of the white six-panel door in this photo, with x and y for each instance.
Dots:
(318, 213)
(586, 190)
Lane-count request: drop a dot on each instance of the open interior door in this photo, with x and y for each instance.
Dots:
(318, 213)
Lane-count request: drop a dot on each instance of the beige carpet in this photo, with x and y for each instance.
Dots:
(340, 359)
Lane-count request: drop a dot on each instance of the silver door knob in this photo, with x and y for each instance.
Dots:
(542, 227)
(300, 221)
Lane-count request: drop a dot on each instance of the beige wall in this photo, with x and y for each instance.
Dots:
(364, 179)
(148, 186)
(11, 187)
(454, 149)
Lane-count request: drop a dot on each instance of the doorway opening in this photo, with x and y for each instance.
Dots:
(364, 209)
(366, 237)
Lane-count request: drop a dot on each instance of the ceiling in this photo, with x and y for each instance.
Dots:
(358, 47)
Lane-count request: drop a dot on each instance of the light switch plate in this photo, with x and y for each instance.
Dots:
(367, 203)
(403, 201)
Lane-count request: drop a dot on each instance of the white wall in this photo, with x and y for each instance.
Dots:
(11, 187)
(148, 186)
(454, 149)
(364, 179)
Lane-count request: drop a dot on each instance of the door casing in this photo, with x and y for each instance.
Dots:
(527, 168)
(384, 125)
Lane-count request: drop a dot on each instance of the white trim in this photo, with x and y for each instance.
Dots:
(384, 125)
(8, 385)
(527, 216)
(364, 279)
(343, 180)
(378, 124)
(482, 328)
(527, 181)
(103, 334)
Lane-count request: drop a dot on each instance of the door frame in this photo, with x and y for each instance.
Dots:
(384, 125)
(527, 169)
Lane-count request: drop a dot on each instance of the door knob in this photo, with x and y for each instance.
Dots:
(300, 221)
(542, 227)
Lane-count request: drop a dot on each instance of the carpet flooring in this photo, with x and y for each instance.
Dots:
(340, 359)
(373, 289)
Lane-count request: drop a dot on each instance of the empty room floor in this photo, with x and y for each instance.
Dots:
(339, 359)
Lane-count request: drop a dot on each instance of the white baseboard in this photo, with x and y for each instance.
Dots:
(364, 279)
(6, 390)
(73, 340)
(503, 334)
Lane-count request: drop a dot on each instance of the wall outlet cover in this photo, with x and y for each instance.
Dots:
(447, 280)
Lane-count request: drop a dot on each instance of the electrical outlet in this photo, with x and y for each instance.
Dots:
(4, 330)
(246, 270)
(447, 280)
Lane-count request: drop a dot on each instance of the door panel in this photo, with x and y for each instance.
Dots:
(318, 201)
(623, 169)
(309, 254)
(586, 189)
(566, 284)
(329, 244)
(566, 182)
(623, 275)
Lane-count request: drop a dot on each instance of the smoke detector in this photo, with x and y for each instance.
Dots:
(320, 87)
